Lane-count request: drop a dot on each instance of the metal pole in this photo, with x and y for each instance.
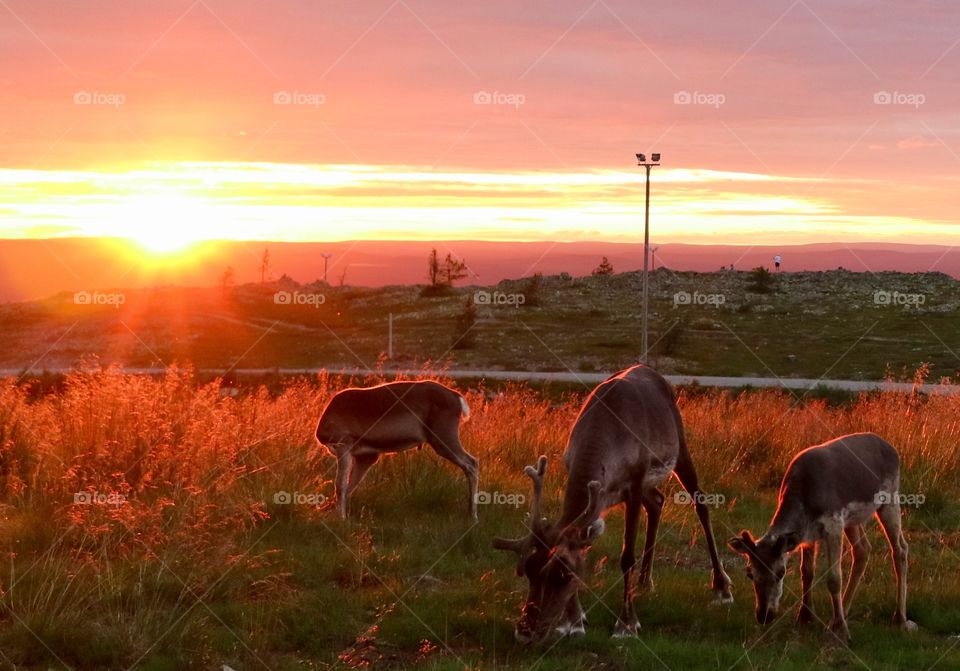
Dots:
(646, 250)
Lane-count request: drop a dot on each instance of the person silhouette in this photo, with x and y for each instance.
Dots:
(776, 262)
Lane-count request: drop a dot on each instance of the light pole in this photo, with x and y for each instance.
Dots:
(326, 257)
(642, 160)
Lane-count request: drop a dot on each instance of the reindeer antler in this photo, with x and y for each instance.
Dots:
(592, 509)
(536, 503)
(522, 545)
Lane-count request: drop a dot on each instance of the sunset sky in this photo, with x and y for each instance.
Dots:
(779, 121)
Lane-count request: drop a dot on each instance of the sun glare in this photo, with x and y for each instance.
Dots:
(165, 225)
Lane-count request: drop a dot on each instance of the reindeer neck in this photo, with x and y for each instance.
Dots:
(791, 517)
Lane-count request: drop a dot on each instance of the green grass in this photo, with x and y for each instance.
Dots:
(200, 568)
(812, 324)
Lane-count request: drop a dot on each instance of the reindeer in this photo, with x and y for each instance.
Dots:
(359, 425)
(830, 490)
(626, 441)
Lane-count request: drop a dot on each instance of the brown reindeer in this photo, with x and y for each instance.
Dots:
(360, 425)
(627, 440)
(830, 490)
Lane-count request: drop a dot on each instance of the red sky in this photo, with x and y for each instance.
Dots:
(808, 120)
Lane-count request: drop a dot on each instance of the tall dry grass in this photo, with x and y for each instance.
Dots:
(194, 466)
(186, 474)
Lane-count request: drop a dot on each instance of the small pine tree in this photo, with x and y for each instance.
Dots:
(531, 292)
(604, 269)
(464, 335)
(227, 282)
(452, 270)
(761, 281)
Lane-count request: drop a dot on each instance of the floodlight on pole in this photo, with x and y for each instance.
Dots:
(642, 160)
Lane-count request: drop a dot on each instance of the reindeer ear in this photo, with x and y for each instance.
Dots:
(594, 530)
(742, 544)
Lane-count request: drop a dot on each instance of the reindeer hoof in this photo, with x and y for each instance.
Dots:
(908, 625)
(722, 597)
(577, 630)
(839, 634)
(804, 616)
(624, 630)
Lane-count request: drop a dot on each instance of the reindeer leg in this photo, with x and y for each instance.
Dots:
(889, 517)
(653, 505)
(687, 475)
(860, 545)
(573, 618)
(344, 466)
(627, 624)
(834, 545)
(361, 464)
(808, 567)
(447, 444)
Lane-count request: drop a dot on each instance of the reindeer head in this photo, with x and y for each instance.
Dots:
(766, 566)
(552, 558)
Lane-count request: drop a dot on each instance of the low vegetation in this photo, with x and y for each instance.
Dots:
(835, 324)
(163, 523)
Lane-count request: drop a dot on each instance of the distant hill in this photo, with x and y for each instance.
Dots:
(809, 324)
(31, 269)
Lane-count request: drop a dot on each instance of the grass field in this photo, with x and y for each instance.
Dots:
(140, 530)
(832, 324)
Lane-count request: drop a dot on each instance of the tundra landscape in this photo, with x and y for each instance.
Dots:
(521, 336)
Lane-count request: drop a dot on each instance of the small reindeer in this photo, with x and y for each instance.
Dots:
(359, 425)
(830, 490)
(626, 441)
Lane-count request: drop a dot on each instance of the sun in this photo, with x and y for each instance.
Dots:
(165, 224)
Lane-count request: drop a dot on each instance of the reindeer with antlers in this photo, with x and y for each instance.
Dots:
(626, 441)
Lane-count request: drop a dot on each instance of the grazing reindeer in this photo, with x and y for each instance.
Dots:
(626, 441)
(829, 490)
(358, 425)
